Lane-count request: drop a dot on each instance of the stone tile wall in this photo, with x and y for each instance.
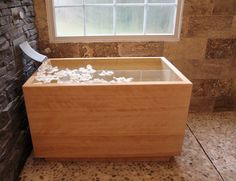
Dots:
(206, 53)
(15, 142)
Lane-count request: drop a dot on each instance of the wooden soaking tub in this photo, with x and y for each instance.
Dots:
(145, 118)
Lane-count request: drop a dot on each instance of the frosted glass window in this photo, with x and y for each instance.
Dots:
(81, 18)
(129, 1)
(99, 20)
(129, 20)
(67, 2)
(162, 1)
(98, 1)
(69, 21)
(160, 19)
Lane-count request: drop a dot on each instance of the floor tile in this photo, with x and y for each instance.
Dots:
(217, 135)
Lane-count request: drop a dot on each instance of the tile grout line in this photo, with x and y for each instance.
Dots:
(205, 153)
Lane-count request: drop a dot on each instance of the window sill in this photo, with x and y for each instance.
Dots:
(130, 38)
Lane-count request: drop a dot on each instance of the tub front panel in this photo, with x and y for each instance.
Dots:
(107, 121)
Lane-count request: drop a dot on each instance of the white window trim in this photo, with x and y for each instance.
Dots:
(113, 38)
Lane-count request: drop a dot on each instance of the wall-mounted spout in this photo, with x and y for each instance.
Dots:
(28, 50)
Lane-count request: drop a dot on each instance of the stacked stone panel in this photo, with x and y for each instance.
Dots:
(15, 68)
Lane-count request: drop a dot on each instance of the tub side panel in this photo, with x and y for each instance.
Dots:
(107, 121)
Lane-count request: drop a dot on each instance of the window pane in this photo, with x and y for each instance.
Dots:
(130, 1)
(69, 21)
(129, 20)
(66, 2)
(99, 20)
(162, 1)
(160, 19)
(98, 1)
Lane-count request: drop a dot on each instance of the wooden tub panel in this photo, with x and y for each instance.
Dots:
(107, 121)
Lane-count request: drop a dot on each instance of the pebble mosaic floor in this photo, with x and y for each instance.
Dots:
(209, 153)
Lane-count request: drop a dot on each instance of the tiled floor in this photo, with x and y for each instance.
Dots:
(217, 136)
(209, 153)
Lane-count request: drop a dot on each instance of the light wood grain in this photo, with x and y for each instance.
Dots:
(108, 121)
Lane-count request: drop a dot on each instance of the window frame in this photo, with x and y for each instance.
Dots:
(112, 38)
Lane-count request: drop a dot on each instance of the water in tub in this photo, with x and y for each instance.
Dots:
(52, 74)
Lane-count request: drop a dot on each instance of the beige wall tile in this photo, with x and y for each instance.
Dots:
(199, 104)
(206, 68)
(149, 49)
(198, 7)
(225, 7)
(221, 48)
(225, 103)
(187, 48)
(209, 26)
(212, 87)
